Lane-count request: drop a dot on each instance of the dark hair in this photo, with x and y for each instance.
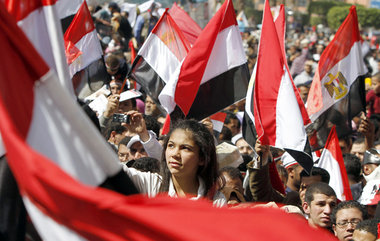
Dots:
(147, 164)
(231, 116)
(207, 153)
(226, 133)
(117, 127)
(233, 172)
(124, 141)
(347, 205)
(353, 166)
(318, 188)
(152, 124)
(317, 171)
(369, 225)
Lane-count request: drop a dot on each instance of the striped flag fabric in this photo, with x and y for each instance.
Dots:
(82, 45)
(278, 117)
(78, 210)
(217, 120)
(188, 26)
(166, 44)
(332, 161)
(45, 117)
(341, 63)
(40, 21)
(214, 73)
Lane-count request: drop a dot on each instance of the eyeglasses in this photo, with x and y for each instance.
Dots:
(344, 223)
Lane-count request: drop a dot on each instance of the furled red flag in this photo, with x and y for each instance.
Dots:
(46, 118)
(162, 52)
(217, 120)
(81, 41)
(279, 113)
(337, 92)
(188, 26)
(40, 22)
(214, 73)
(332, 161)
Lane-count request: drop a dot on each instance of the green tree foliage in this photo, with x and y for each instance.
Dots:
(319, 9)
(367, 17)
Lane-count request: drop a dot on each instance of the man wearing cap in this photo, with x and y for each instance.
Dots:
(294, 173)
(242, 145)
(136, 149)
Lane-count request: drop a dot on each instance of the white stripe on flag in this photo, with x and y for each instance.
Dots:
(218, 125)
(66, 8)
(91, 50)
(167, 62)
(290, 131)
(51, 229)
(65, 135)
(45, 32)
(351, 68)
(328, 162)
(227, 53)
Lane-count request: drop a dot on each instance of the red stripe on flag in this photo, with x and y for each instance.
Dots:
(220, 116)
(170, 34)
(16, 86)
(269, 72)
(195, 63)
(22, 8)
(280, 29)
(338, 50)
(81, 25)
(189, 27)
(332, 145)
(166, 127)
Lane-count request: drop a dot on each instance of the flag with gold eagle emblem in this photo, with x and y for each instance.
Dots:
(337, 91)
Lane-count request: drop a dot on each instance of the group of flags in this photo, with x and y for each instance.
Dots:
(58, 157)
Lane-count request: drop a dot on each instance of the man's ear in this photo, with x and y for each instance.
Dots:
(334, 228)
(112, 136)
(306, 207)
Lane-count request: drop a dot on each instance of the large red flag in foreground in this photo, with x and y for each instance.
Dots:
(332, 161)
(49, 120)
(40, 22)
(214, 73)
(96, 213)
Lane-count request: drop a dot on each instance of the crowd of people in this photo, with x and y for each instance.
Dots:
(187, 161)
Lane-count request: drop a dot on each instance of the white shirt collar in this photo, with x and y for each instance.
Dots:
(201, 189)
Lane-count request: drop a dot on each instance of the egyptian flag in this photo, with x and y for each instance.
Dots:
(278, 115)
(214, 73)
(217, 120)
(45, 118)
(332, 161)
(188, 26)
(40, 22)
(82, 45)
(158, 58)
(337, 92)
